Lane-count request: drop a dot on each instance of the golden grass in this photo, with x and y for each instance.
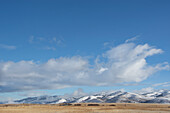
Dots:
(85, 108)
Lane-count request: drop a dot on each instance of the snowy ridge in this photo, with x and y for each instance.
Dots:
(160, 96)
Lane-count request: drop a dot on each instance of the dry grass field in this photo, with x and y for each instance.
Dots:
(85, 108)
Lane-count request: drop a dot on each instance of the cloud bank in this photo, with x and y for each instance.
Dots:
(121, 64)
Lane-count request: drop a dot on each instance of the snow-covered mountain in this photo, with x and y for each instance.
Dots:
(160, 96)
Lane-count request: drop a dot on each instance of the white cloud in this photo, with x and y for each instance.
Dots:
(127, 62)
(9, 47)
(121, 64)
(102, 70)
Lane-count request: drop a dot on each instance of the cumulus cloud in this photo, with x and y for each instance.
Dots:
(9, 47)
(121, 64)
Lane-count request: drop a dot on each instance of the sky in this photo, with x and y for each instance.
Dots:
(56, 47)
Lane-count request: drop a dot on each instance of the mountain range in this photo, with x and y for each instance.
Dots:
(159, 96)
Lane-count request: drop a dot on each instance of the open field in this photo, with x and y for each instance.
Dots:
(85, 108)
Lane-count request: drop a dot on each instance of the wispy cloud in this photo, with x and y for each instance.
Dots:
(50, 48)
(132, 39)
(120, 64)
(37, 40)
(9, 47)
(31, 39)
(106, 44)
(164, 84)
(59, 41)
(51, 43)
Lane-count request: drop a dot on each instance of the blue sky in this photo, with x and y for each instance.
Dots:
(63, 39)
